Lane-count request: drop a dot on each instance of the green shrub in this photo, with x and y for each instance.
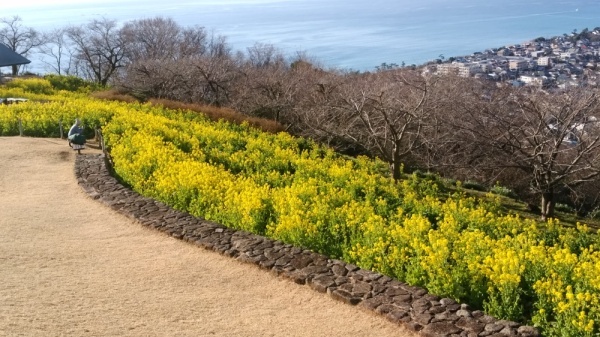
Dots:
(473, 185)
(68, 83)
(564, 208)
(504, 191)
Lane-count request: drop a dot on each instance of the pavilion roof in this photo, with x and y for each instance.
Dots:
(8, 57)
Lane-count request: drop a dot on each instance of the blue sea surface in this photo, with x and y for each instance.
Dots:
(347, 34)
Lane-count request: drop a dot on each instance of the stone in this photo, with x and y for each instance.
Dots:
(393, 291)
(385, 279)
(311, 270)
(507, 331)
(283, 261)
(528, 331)
(264, 245)
(463, 313)
(368, 275)
(422, 303)
(396, 315)
(477, 314)
(487, 319)
(431, 298)
(403, 298)
(413, 326)
(245, 258)
(267, 264)
(443, 316)
(492, 327)
(447, 301)
(377, 288)
(511, 324)
(347, 287)
(470, 324)
(339, 270)
(420, 292)
(372, 303)
(440, 329)
(385, 308)
(436, 310)
(345, 297)
(420, 307)
(295, 277)
(319, 260)
(341, 280)
(351, 267)
(301, 261)
(423, 318)
(361, 288)
(271, 255)
(321, 283)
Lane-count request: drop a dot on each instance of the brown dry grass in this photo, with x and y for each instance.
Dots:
(220, 113)
(69, 266)
(212, 112)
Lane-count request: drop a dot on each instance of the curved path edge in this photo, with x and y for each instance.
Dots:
(405, 305)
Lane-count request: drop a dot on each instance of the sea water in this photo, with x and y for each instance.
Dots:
(348, 34)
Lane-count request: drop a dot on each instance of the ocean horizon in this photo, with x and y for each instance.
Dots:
(340, 34)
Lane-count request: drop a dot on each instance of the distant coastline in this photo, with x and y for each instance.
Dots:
(563, 61)
(344, 34)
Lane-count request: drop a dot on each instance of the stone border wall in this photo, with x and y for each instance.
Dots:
(400, 303)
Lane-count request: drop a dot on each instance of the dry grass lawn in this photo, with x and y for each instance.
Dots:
(69, 266)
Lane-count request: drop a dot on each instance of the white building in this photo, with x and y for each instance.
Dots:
(533, 80)
(544, 61)
(566, 55)
(518, 64)
(460, 69)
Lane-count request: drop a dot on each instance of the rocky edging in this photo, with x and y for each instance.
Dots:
(400, 303)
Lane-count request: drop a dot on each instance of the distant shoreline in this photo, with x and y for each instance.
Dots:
(344, 34)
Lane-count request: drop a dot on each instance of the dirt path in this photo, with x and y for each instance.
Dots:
(69, 266)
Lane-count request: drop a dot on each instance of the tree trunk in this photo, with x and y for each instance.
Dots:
(396, 165)
(547, 204)
(15, 70)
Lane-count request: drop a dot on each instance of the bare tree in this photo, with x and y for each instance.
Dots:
(385, 112)
(162, 39)
(268, 86)
(100, 48)
(186, 64)
(262, 55)
(214, 77)
(451, 99)
(553, 139)
(60, 52)
(20, 39)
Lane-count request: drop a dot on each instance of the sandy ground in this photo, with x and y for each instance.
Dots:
(69, 266)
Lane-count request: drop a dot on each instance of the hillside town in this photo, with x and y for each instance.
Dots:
(557, 62)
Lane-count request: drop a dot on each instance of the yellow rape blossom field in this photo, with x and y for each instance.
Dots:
(297, 191)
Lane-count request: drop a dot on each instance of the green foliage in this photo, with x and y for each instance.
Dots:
(564, 208)
(68, 83)
(473, 185)
(504, 191)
